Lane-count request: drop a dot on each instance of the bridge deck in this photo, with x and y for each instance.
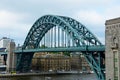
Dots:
(69, 49)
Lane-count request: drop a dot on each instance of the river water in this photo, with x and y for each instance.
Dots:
(55, 77)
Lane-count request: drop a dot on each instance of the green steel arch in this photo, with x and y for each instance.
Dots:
(78, 32)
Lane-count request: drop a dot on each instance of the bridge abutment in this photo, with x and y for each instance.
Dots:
(11, 57)
(112, 37)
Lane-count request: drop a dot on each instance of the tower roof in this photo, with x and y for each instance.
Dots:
(112, 21)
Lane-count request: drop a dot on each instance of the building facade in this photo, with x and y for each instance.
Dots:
(59, 62)
(4, 42)
(78, 62)
(51, 62)
(112, 52)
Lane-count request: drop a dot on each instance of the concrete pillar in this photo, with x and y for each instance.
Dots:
(11, 57)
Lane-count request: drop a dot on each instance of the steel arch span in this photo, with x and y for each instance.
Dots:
(78, 32)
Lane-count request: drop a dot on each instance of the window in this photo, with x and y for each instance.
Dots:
(116, 64)
(115, 59)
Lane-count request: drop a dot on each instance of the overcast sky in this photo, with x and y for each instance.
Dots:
(17, 16)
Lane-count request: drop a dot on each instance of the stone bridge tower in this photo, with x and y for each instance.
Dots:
(112, 52)
(11, 57)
